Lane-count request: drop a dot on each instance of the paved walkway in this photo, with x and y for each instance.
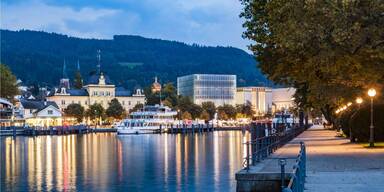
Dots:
(334, 164)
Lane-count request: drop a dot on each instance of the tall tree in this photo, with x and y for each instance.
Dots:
(75, 110)
(95, 111)
(330, 50)
(78, 81)
(115, 109)
(210, 108)
(227, 109)
(8, 85)
(186, 116)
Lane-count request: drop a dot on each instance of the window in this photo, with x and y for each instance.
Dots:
(50, 112)
(79, 102)
(73, 102)
(123, 102)
(129, 102)
(30, 111)
(86, 102)
(63, 102)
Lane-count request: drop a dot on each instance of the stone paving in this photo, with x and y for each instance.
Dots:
(333, 163)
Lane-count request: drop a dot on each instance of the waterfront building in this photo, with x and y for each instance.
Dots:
(40, 113)
(258, 97)
(219, 89)
(98, 89)
(282, 98)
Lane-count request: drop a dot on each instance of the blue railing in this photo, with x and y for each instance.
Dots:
(260, 148)
(297, 180)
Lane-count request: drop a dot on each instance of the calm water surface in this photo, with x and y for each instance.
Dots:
(107, 162)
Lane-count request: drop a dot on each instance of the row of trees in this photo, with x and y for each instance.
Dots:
(330, 51)
(188, 110)
(115, 110)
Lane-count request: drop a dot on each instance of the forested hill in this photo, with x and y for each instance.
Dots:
(129, 60)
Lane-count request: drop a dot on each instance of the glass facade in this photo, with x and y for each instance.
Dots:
(220, 89)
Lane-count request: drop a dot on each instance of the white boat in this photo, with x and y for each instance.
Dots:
(151, 119)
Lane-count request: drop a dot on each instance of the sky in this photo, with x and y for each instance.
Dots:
(205, 22)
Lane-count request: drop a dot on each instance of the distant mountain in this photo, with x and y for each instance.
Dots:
(130, 61)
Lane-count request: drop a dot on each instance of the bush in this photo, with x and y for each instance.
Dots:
(361, 120)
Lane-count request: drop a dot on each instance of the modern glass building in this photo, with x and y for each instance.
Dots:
(220, 89)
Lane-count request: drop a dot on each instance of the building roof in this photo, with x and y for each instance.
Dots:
(37, 104)
(94, 79)
(121, 92)
(77, 92)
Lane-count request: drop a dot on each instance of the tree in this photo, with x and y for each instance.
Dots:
(137, 107)
(170, 94)
(151, 98)
(95, 111)
(228, 110)
(205, 115)
(195, 110)
(75, 110)
(8, 85)
(186, 115)
(245, 109)
(222, 115)
(78, 81)
(115, 109)
(210, 108)
(329, 50)
(184, 103)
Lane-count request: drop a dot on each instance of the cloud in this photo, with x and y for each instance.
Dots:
(36, 15)
(206, 22)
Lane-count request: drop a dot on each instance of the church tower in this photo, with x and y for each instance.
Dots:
(64, 81)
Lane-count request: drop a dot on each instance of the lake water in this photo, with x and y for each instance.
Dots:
(107, 162)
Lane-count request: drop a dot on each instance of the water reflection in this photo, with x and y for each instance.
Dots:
(100, 162)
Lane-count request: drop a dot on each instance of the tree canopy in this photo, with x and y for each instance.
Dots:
(75, 110)
(8, 85)
(95, 111)
(329, 50)
(115, 109)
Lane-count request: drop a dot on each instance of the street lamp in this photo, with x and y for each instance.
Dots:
(371, 93)
(359, 100)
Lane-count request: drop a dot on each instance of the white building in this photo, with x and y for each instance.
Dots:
(219, 89)
(98, 89)
(40, 113)
(258, 97)
(282, 98)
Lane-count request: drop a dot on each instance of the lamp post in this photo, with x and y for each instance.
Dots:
(371, 93)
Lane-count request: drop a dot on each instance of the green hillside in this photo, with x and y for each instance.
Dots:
(130, 61)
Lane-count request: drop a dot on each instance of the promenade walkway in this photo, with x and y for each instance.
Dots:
(333, 163)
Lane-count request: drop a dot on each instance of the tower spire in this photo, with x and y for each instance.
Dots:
(78, 65)
(99, 61)
(64, 71)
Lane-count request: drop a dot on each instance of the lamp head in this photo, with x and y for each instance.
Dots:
(359, 100)
(371, 92)
(349, 104)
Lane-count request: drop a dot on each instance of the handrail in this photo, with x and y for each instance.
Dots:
(296, 183)
(262, 147)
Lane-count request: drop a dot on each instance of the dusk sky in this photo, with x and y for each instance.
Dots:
(206, 22)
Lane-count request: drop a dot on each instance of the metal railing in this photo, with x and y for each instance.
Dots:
(296, 183)
(260, 148)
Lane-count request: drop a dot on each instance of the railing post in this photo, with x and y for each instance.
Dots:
(247, 158)
(282, 163)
